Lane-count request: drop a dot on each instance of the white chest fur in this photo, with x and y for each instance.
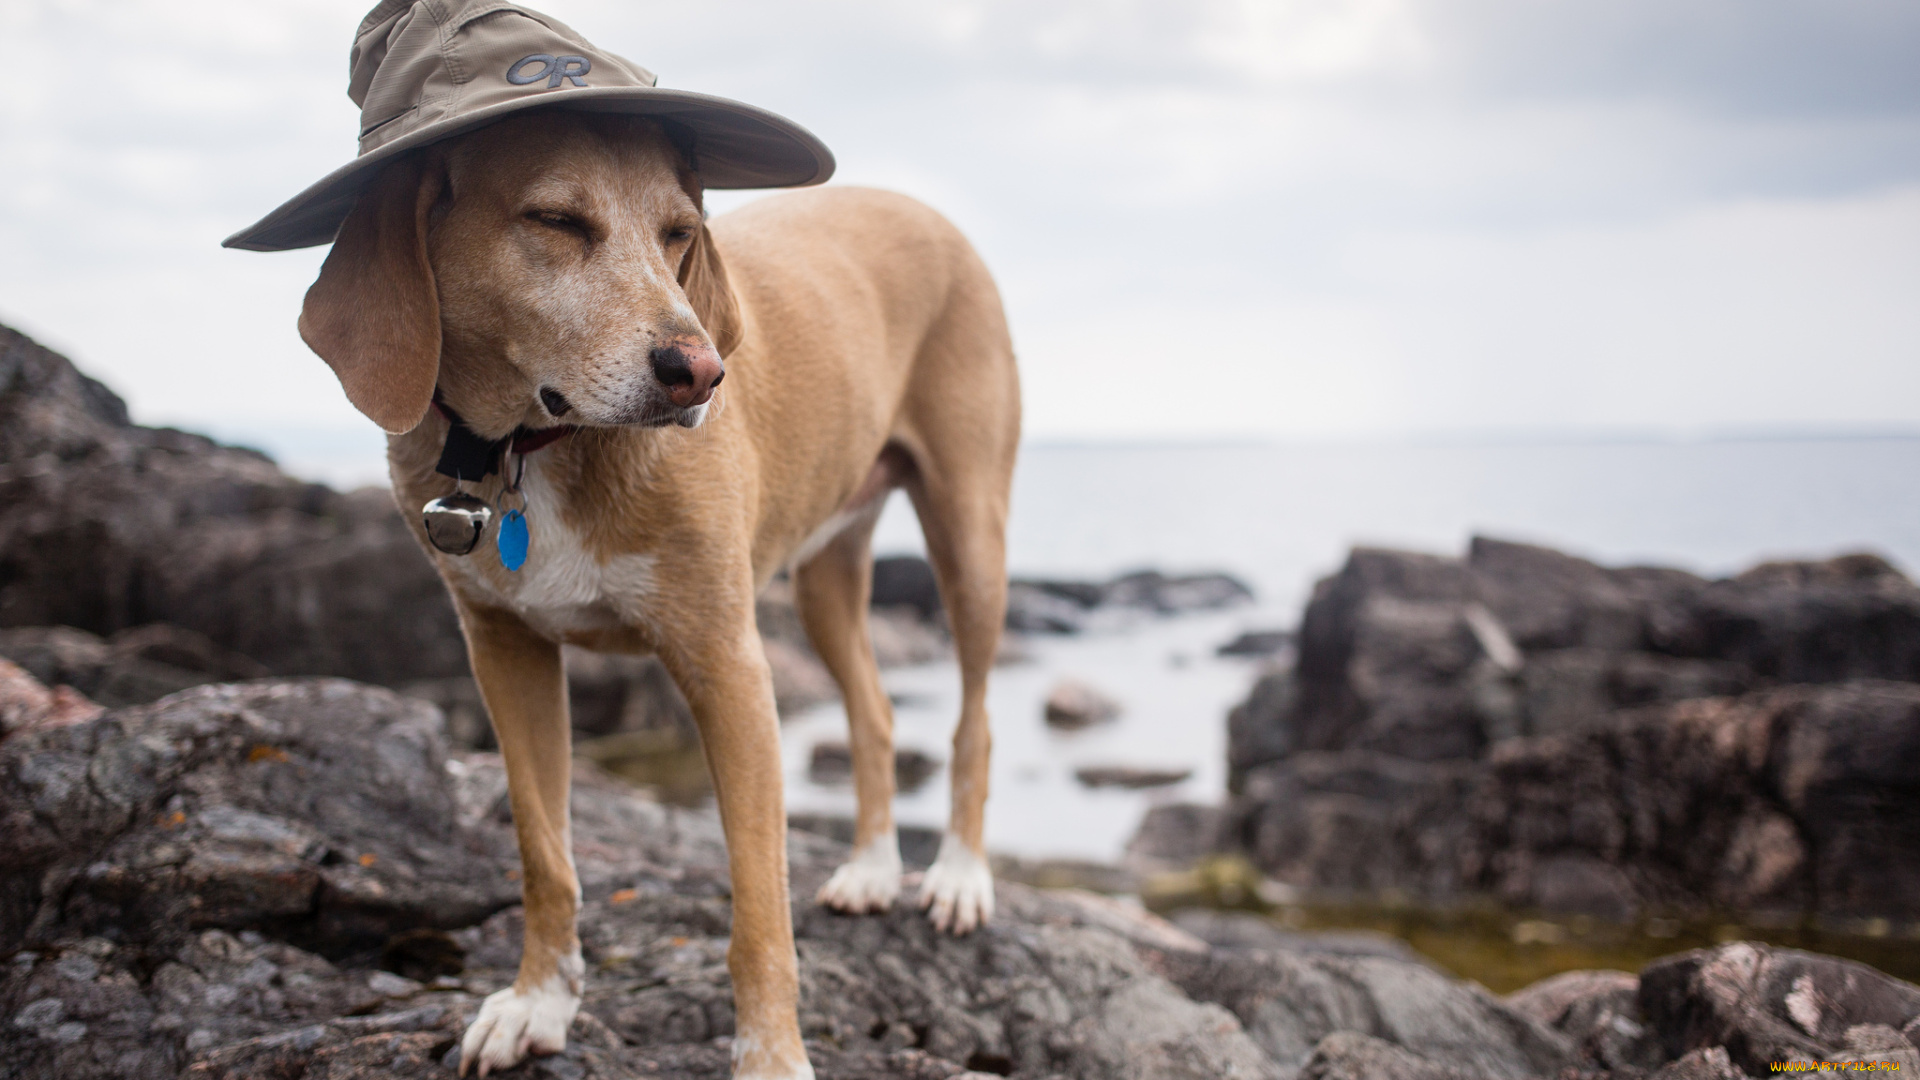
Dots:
(563, 587)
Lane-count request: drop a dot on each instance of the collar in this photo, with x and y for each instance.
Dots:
(467, 456)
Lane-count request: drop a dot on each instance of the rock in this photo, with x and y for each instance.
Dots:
(1433, 658)
(1055, 606)
(1852, 617)
(1260, 729)
(901, 639)
(906, 581)
(1349, 1055)
(1359, 822)
(918, 846)
(1710, 1063)
(800, 680)
(612, 693)
(1388, 660)
(26, 704)
(1258, 643)
(1290, 1002)
(1568, 691)
(1756, 804)
(1765, 1005)
(230, 987)
(138, 665)
(1174, 836)
(1599, 741)
(832, 763)
(1599, 1012)
(1072, 705)
(1782, 804)
(1238, 931)
(119, 526)
(1166, 595)
(316, 809)
(1034, 610)
(1129, 776)
(1094, 877)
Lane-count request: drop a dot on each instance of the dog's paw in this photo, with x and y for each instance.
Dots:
(868, 882)
(957, 892)
(512, 1025)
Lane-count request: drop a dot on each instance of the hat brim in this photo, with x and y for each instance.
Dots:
(738, 146)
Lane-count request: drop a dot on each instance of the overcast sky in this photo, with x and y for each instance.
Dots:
(1292, 219)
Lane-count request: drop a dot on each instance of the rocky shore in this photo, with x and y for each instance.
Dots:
(250, 827)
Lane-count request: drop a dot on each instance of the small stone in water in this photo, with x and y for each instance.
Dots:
(1073, 705)
(1099, 776)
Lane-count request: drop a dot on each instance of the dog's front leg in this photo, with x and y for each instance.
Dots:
(725, 677)
(524, 685)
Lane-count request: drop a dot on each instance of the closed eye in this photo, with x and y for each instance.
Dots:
(557, 219)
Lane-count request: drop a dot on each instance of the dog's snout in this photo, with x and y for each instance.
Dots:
(556, 403)
(689, 368)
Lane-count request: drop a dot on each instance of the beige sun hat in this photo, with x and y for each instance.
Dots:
(426, 70)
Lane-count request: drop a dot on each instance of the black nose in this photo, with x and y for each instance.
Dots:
(556, 405)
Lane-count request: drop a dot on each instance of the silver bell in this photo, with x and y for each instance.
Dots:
(454, 523)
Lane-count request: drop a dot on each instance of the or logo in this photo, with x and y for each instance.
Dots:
(554, 69)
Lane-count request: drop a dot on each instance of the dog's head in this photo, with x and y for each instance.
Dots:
(551, 265)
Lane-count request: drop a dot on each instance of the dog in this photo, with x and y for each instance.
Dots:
(742, 396)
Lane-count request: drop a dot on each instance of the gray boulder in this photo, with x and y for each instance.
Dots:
(1599, 1012)
(1767, 1005)
(216, 884)
(290, 807)
(1784, 803)
(1434, 658)
(1291, 1002)
(1058, 606)
(113, 526)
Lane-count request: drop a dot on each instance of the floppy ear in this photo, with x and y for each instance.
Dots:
(703, 277)
(374, 315)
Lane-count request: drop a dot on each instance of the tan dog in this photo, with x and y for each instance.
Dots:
(554, 268)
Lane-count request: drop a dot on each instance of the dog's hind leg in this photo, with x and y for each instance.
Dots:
(966, 544)
(962, 432)
(832, 590)
(524, 685)
(963, 514)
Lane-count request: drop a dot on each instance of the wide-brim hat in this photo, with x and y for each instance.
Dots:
(427, 70)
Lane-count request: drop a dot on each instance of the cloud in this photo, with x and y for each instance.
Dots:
(1288, 217)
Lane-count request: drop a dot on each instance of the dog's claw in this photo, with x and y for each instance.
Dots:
(957, 892)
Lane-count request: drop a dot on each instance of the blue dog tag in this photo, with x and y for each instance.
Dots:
(513, 539)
